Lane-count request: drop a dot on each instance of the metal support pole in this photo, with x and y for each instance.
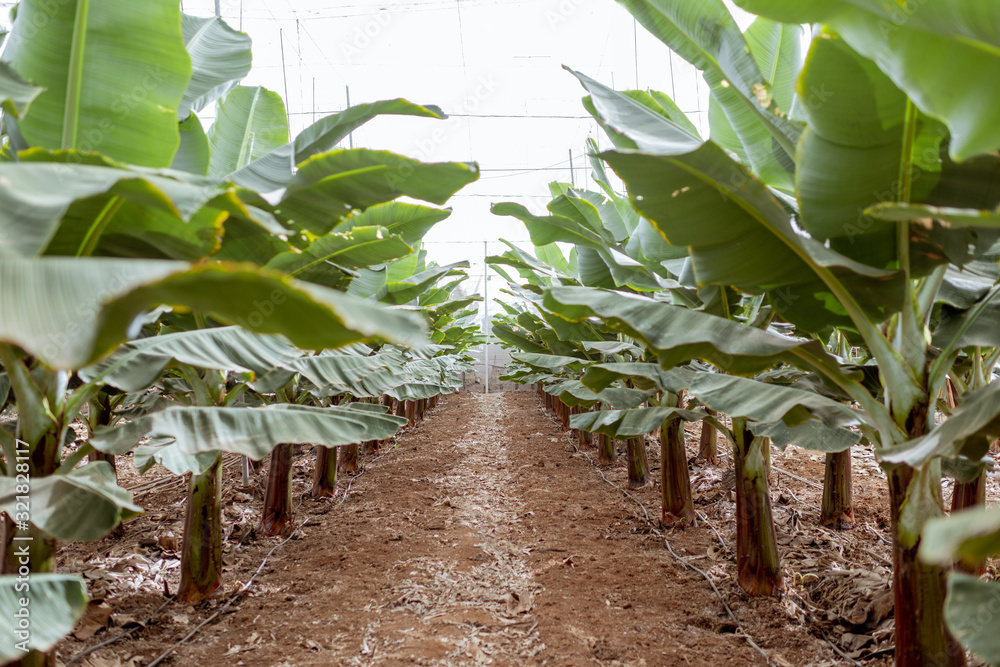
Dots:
(572, 176)
(218, 8)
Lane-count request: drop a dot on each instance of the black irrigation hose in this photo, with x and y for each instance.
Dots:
(160, 658)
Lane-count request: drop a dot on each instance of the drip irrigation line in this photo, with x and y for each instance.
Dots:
(666, 542)
(83, 654)
(704, 518)
(743, 632)
(236, 596)
(655, 529)
(796, 477)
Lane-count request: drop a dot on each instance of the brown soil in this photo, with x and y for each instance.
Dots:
(485, 537)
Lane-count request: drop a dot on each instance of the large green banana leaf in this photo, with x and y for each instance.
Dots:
(250, 124)
(549, 362)
(776, 48)
(114, 73)
(697, 196)
(253, 432)
(597, 265)
(83, 505)
(705, 34)
(763, 402)
(939, 53)
(36, 196)
(621, 424)
(56, 603)
(574, 393)
(69, 312)
(812, 434)
(677, 335)
(849, 158)
(336, 372)
(642, 375)
(970, 429)
(405, 290)
(968, 597)
(16, 94)
(138, 364)
(410, 221)
(518, 338)
(329, 186)
(274, 170)
(972, 535)
(358, 248)
(220, 56)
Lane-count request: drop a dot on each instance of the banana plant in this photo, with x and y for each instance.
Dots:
(864, 266)
(95, 175)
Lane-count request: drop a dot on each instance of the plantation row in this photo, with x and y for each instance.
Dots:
(823, 271)
(187, 293)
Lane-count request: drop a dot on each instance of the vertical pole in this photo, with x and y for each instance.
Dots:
(218, 8)
(288, 120)
(284, 74)
(241, 15)
(486, 319)
(635, 51)
(350, 135)
(572, 177)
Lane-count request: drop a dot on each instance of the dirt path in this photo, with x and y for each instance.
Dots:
(484, 538)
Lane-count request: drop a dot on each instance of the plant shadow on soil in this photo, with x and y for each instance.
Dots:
(484, 537)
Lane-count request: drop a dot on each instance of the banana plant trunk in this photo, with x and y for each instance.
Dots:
(638, 466)
(757, 565)
(922, 638)
(708, 444)
(201, 555)
(675, 480)
(325, 473)
(838, 491)
(349, 460)
(276, 518)
(606, 453)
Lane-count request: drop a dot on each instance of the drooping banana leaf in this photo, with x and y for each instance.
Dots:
(220, 56)
(329, 186)
(410, 221)
(274, 170)
(37, 195)
(137, 364)
(55, 603)
(82, 505)
(253, 432)
(69, 312)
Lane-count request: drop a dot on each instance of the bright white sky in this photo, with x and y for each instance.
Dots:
(493, 65)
